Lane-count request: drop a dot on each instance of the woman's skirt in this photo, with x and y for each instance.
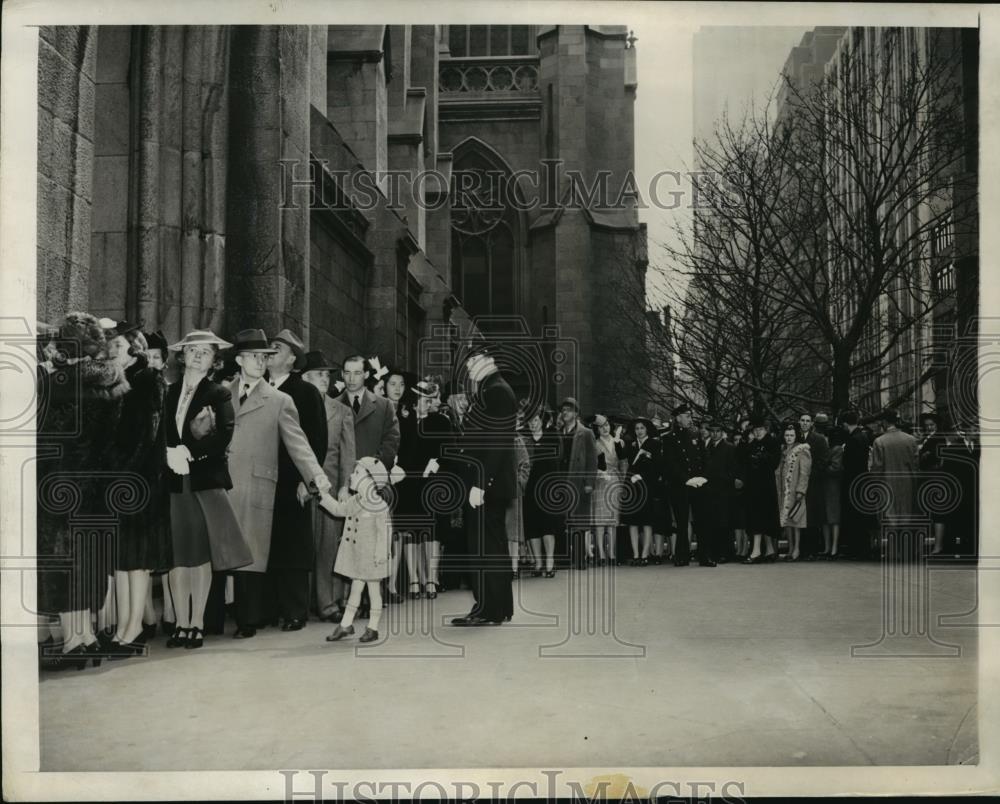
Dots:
(205, 530)
(833, 501)
(607, 500)
(639, 505)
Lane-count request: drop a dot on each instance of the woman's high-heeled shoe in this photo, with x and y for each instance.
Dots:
(179, 638)
(125, 650)
(758, 560)
(196, 638)
(550, 573)
(414, 595)
(431, 595)
(75, 659)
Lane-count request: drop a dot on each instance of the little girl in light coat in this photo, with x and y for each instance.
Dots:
(363, 555)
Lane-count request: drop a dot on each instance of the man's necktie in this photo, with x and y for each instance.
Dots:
(357, 405)
(244, 393)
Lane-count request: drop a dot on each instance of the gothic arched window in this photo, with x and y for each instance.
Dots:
(485, 236)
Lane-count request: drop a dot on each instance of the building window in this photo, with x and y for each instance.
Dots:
(489, 40)
(485, 236)
(944, 279)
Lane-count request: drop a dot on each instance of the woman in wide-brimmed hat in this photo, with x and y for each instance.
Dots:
(200, 421)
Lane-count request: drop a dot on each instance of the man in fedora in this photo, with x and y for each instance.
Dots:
(488, 446)
(292, 555)
(579, 462)
(267, 422)
(338, 466)
(683, 462)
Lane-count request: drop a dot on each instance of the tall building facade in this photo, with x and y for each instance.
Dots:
(929, 365)
(369, 186)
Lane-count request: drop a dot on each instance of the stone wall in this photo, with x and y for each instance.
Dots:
(337, 298)
(67, 66)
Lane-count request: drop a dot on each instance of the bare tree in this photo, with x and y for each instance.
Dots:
(875, 149)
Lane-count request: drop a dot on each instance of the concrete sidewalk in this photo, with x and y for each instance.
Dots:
(738, 665)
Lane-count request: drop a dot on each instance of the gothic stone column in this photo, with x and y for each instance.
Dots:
(267, 245)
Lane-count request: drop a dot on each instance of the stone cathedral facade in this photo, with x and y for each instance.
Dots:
(305, 176)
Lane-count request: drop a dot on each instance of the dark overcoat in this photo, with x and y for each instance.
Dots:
(292, 545)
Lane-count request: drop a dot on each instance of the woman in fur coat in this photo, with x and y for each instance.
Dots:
(79, 408)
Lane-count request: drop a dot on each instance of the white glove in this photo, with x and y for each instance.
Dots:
(635, 478)
(431, 468)
(476, 496)
(696, 482)
(178, 459)
(397, 474)
(322, 482)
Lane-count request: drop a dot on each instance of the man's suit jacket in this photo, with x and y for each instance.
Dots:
(266, 420)
(340, 451)
(376, 428)
(489, 428)
(209, 467)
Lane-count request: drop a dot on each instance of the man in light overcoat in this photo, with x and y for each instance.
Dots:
(265, 418)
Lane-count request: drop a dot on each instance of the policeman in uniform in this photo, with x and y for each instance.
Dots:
(683, 459)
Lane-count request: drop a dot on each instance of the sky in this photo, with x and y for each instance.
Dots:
(664, 116)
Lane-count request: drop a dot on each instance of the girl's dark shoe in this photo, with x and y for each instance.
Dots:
(550, 573)
(431, 593)
(195, 638)
(414, 595)
(757, 560)
(339, 632)
(148, 632)
(168, 628)
(368, 636)
(643, 562)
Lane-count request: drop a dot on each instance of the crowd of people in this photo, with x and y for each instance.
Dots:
(255, 481)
